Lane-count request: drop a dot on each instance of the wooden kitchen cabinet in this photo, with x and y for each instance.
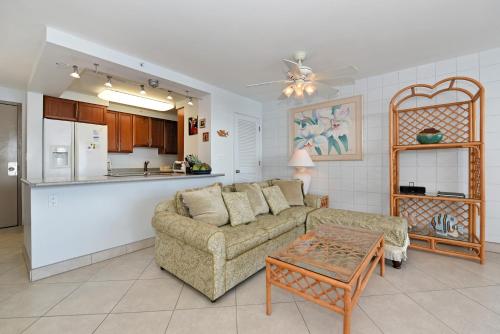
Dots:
(91, 113)
(125, 132)
(157, 133)
(170, 137)
(120, 132)
(62, 109)
(113, 126)
(141, 131)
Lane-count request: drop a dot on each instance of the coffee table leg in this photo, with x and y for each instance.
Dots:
(347, 312)
(382, 259)
(268, 289)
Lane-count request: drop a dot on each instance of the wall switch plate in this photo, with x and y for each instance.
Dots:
(52, 201)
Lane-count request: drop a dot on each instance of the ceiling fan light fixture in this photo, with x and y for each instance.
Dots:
(299, 90)
(108, 82)
(76, 73)
(310, 89)
(288, 91)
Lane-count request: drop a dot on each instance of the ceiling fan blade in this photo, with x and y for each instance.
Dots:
(293, 67)
(269, 82)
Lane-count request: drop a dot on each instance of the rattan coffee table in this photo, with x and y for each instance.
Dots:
(329, 266)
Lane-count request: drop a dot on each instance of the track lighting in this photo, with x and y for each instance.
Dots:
(189, 98)
(108, 82)
(143, 91)
(75, 74)
(169, 96)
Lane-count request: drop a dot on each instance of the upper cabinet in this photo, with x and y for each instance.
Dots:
(157, 135)
(91, 113)
(170, 138)
(69, 110)
(120, 132)
(57, 108)
(141, 131)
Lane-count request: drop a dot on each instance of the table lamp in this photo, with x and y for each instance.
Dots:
(300, 160)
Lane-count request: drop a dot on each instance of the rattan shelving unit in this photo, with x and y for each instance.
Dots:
(414, 108)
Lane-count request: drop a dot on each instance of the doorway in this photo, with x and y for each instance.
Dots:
(247, 149)
(10, 156)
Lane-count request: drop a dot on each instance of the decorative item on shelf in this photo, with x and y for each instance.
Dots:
(301, 160)
(450, 194)
(429, 136)
(193, 125)
(410, 189)
(195, 166)
(202, 123)
(205, 136)
(223, 133)
(446, 225)
(329, 130)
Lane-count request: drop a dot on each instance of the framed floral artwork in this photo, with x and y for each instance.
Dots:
(331, 130)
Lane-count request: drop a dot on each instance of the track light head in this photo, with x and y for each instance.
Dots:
(75, 74)
(169, 96)
(143, 91)
(108, 82)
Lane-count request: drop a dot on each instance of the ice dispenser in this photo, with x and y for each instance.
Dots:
(60, 156)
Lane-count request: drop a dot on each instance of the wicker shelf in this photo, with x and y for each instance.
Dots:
(444, 225)
(435, 146)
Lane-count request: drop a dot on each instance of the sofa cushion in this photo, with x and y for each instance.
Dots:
(292, 190)
(274, 225)
(255, 196)
(182, 209)
(297, 214)
(275, 199)
(207, 205)
(242, 238)
(239, 208)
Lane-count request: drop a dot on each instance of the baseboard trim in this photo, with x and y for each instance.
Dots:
(493, 247)
(85, 260)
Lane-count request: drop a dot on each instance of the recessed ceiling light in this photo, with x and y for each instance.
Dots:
(169, 96)
(143, 91)
(108, 82)
(134, 100)
(75, 74)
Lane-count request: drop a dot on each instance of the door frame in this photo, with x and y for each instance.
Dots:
(20, 164)
(259, 144)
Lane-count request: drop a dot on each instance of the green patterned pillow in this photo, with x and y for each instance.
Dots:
(255, 196)
(275, 198)
(182, 209)
(238, 205)
(206, 205)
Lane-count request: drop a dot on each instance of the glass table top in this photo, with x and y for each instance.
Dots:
(333, 251)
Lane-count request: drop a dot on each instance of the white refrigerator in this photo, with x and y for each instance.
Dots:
(72, 149)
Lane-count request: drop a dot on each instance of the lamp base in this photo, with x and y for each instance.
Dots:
(302, 174)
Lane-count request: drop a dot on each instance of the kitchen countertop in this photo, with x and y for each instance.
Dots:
(50, 182)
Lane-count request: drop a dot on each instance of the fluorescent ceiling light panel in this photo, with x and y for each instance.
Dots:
(134, 100)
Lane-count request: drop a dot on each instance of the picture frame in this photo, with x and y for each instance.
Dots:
(202, 123)
(205, 136)
(331, 130)
(193, 126)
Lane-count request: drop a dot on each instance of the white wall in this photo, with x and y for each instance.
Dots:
(364, 185)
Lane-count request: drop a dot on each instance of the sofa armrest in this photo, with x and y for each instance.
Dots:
(197, 234)
(313, 201)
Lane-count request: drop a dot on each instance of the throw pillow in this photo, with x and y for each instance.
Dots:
(255, 196)
(238, 205)
(181, 208)
(292, 190)
(275, 198)
(207, 205)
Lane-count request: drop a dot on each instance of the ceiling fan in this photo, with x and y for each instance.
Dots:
(301, 79)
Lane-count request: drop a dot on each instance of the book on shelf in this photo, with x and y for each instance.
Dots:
(450, 194)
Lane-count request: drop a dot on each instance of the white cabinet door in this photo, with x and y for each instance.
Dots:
(247, 149)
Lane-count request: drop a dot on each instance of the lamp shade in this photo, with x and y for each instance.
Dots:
(301, 158)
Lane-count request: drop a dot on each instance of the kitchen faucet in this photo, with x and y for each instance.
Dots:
(146, 163)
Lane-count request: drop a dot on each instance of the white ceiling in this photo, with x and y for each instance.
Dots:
(233, 43)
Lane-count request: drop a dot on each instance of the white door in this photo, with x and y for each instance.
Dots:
(247, 149)
(91, 149)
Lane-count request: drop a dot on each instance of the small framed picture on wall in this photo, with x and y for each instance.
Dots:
(205, 136)
(202, 123)
(193, 125)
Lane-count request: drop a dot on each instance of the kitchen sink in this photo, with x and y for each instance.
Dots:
(126, 174)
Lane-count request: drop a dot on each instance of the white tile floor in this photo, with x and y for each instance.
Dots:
(130, 294)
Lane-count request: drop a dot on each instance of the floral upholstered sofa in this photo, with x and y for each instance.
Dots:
(214, 259)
